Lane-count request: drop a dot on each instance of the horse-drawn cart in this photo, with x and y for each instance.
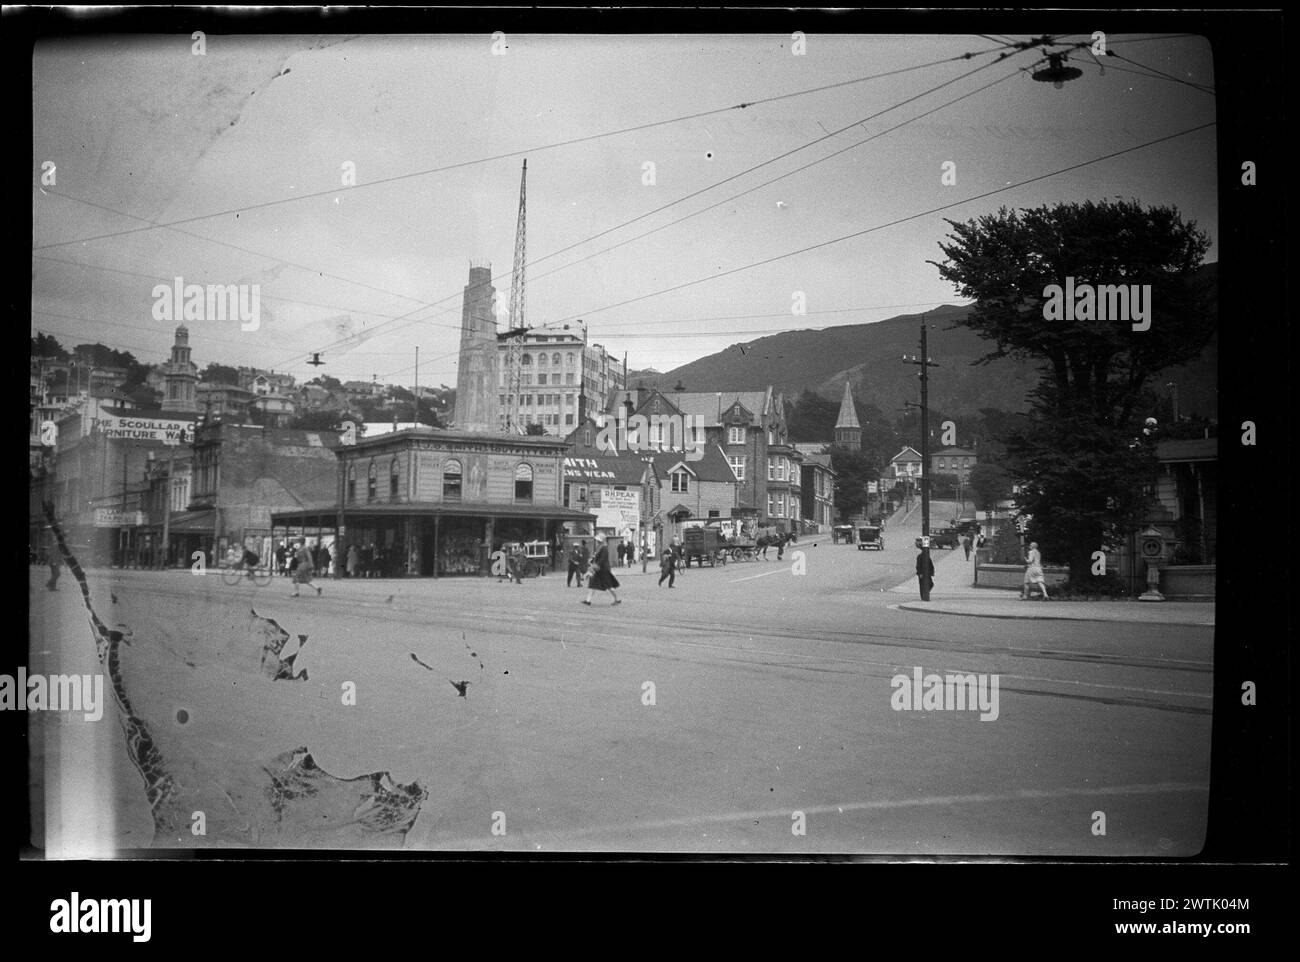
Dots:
(703, 544)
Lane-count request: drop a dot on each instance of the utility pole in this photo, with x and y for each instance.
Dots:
(925, 363)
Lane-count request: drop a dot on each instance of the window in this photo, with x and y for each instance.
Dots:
(771, 436)
(541, 378)
(568, 400)
(526, 379)
(372, 483)
(526, 360)
(568, 377)
(392, 479)
(735, 435)
(501, 399)
(586, 437)
(737, 467)
(524, 482)
(541, 359)
(680, 482)
(352, 481)
(780, 469)
(451, 476)
(568, 420)
(555, 359)
(770, 506)
(657, 431)
(771, 470)
(714, 514)
(569, 360)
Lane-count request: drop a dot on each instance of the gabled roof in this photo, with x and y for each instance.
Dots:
(711, 466)
(710, 406)
(953, 452)
(907, 454)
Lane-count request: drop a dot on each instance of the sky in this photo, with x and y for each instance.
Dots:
(243, 150)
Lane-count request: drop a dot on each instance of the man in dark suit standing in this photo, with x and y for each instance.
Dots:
(924, 570)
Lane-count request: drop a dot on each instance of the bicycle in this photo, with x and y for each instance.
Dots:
(234, 575)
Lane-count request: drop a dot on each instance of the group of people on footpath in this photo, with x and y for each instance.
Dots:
(1033, 568)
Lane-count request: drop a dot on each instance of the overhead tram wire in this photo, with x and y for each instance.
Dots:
(893, 223)
(1204, 88)
(334, 192)
(725, 180)
(345, 341)
(159, 277)
(768, 183)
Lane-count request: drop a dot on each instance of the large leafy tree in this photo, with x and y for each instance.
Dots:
(1083, 476)
(812, 418)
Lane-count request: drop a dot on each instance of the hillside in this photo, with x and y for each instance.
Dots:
(869, 357)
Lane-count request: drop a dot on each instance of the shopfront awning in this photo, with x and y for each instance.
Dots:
(191, 522)
(328, 514)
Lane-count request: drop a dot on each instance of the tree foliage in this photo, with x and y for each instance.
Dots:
(812, 418)
(1083, 476)
(216, 373)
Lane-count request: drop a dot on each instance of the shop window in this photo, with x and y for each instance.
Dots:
(451, 477)
(524, 482)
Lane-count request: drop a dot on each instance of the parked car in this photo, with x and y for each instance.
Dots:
(945, 538)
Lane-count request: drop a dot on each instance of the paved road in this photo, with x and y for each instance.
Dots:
(771, 710)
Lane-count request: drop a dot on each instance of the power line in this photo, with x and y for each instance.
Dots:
(767, 183)
(725, 180)
(517, 153)
(893, 223)
(1204, 88)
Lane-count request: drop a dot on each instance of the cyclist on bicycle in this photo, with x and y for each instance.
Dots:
(249, 561)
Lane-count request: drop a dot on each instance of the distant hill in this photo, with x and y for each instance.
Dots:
(869, 356)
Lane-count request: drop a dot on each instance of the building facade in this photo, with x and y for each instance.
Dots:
(428, 502)
(561, 379)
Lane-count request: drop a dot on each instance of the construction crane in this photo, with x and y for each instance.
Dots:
(516, 326)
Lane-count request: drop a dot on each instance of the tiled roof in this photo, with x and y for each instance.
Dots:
(710, 405)
(712, 465)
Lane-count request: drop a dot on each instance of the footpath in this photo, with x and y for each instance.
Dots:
(954, 593)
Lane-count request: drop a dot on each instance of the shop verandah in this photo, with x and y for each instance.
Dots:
(435, 540)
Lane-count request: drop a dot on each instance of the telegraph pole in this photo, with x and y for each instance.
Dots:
(925, 363)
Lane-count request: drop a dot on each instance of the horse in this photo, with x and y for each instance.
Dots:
(778, 541)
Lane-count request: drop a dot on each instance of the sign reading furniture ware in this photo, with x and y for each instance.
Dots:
(147, 429)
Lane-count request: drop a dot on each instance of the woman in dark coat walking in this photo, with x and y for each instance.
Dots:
(602, 578)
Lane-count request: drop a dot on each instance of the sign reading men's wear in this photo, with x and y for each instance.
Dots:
(147, 429)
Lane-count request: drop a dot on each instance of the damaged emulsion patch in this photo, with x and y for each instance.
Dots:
(308, 802)
(274, 638)
(289, 802)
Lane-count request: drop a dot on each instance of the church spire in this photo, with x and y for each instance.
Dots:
(848, 432)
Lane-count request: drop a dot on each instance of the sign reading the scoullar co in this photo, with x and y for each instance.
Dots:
(147, 429)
